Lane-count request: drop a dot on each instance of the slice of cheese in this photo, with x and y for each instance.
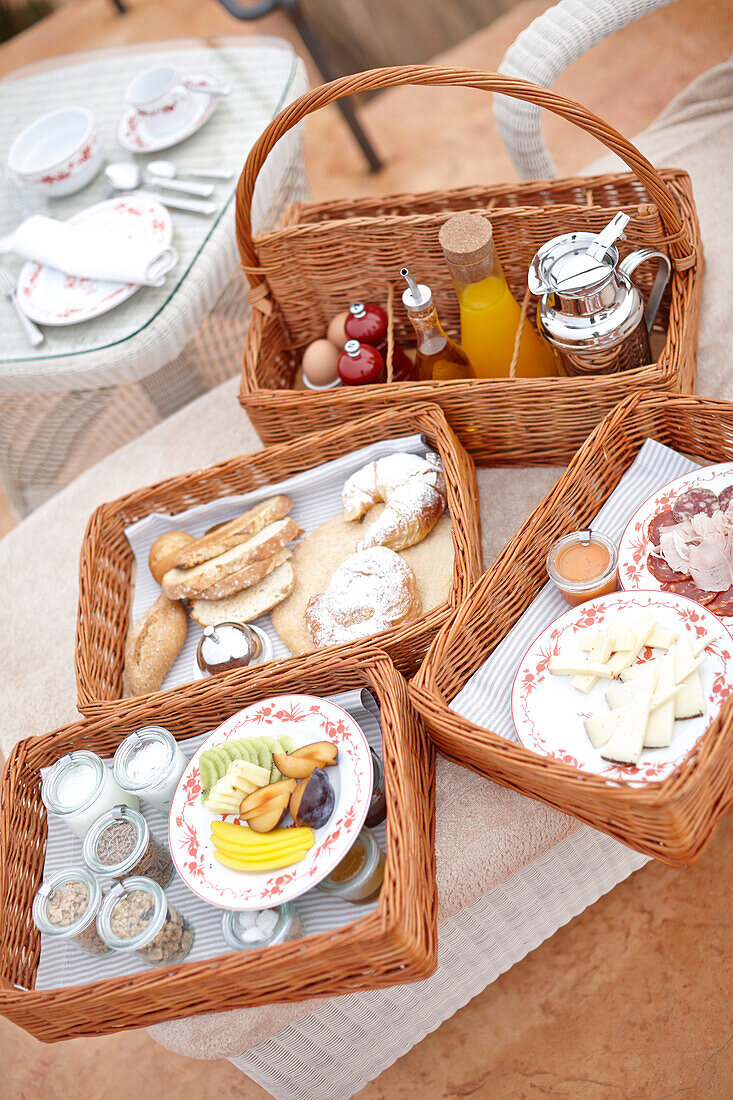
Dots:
(689, 701)
(660, 727)
(702, 644)
(620, 693)
(600, 653)
(589, 638)
(601, 727)
(661, 638)
(627, 741)
(574, 666)
(684, 661)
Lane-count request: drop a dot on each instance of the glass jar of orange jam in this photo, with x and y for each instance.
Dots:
(583, 565)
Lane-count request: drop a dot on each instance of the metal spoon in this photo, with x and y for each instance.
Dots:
(167, 170)
(122, 181)
(220, 90)
(126, 176)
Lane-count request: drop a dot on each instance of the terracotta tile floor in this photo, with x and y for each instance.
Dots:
(632, 998)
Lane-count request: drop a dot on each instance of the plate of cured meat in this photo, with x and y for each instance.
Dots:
(681, 540)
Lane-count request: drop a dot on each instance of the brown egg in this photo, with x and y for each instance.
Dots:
(336, 332)
(320, 360)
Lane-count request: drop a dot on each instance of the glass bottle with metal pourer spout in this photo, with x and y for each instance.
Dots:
(439, 358)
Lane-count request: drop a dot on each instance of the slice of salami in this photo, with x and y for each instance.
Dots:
(659, 568)
(692, 502)
(726, 497)
(664, 519)
(689, 588)
(723, 603)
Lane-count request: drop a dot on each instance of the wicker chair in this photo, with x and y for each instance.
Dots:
(540, 53)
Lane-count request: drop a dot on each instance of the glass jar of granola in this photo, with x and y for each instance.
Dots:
(119, 844)
(136, 916)
(66, 907)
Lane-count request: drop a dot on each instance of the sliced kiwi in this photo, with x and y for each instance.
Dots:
(270, 742)
(244, 751)
(208, 774)
(222, 761)
(286, 743)
(231, 751)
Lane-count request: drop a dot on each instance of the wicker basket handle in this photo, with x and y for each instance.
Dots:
(683, 251)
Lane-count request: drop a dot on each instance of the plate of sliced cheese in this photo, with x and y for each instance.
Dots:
(624, 685)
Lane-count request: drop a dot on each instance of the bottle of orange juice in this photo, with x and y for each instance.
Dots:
(489, 314)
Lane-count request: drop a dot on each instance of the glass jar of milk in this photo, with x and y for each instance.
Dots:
(78, 788)
(149, 763)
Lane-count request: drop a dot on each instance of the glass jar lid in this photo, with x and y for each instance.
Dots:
(67, 903)
(73, 783)
(115, 842)
(256, 928)
(144, 759)
(573, 539)
(132, 914)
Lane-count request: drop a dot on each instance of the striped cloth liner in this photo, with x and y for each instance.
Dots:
(62, 964)
(316, 496)
(486, 697)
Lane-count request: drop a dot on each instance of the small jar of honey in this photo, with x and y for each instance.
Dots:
(583, 565)
(358, 877)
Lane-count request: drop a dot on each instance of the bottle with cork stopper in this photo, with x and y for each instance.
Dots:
(490, 316)
(439, 358)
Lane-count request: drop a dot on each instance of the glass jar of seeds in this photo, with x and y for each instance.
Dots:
(136, 916)
(119, 843)
(66, 907)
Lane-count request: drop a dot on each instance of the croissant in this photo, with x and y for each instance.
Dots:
(413, 489)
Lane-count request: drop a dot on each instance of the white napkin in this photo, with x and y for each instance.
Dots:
(90, 253)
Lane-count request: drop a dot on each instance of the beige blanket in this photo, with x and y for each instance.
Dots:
(39, 562)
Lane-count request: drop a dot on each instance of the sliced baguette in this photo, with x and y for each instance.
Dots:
(249, 604)
(245, 578)
(233, 532)
(190, 583)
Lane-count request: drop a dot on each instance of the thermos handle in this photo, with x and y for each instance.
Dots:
(664, 270)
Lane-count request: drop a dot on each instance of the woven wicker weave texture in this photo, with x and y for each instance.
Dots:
(105, 577)
(672, 820)
(325, 255)
(396, 943)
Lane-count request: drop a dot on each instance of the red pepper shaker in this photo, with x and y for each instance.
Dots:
(361, 365)
(367, 322)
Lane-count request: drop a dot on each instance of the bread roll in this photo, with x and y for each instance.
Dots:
(153, 644)
(165, 550)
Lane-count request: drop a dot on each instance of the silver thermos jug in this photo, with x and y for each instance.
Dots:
(590, 310)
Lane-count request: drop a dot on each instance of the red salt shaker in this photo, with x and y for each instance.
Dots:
(367, 322)
(361, 365)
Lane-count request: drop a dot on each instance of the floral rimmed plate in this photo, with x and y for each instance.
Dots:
(49, 297)
(549, 713)
(636, 544)
(306, 719)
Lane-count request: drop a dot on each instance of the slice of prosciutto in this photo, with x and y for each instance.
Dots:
(701, 547)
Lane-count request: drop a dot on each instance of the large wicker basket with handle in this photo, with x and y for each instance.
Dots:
(324, 256)
(392, 944)
(672, 820)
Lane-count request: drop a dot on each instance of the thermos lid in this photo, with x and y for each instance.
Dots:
(576, 264)
(563, 266)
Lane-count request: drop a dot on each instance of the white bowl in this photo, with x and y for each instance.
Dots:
(59, 153)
